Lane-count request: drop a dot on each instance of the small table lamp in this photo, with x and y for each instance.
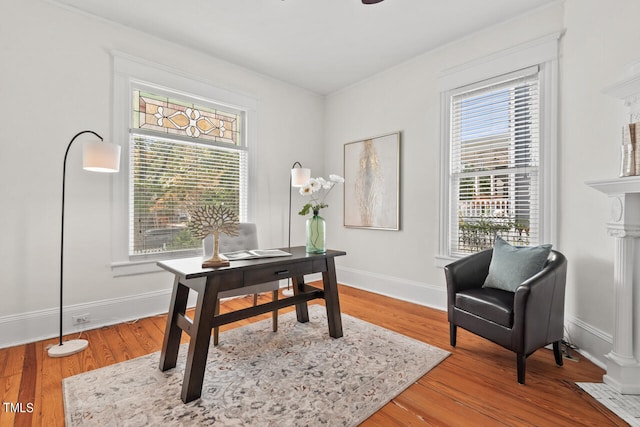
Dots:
(97, 156)
(298, 178)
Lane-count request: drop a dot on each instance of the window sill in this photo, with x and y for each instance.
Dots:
(442, 260)
(132, 268)
(144, 264)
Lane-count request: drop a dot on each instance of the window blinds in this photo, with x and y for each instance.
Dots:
(168, 178)
(495, 154)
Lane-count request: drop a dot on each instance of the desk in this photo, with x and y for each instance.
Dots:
(207, 282)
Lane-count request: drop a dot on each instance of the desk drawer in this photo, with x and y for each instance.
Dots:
(231, 279)
(270, 273)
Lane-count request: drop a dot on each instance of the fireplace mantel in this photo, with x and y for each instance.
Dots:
(623, 362)
(622, 185)
(624, 200)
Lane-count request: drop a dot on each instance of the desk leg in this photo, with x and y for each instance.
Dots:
(332, 301)
(172, 333)
(302, 310)
(200, 339)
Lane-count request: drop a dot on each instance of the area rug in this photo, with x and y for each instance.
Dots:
(626, 406)
(298, 376)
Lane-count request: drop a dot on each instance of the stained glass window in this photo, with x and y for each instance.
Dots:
(173, 116)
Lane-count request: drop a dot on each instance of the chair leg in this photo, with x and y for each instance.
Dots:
(521, 362)
(453, 329)
(275, 313)
(255, 299)
(216, 330)
(557, 353)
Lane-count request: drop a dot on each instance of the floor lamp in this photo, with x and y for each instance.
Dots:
(97, 156)
(299, 177)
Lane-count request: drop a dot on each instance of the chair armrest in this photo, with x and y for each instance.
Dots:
(539, 300)
(467, 273)
(543, 286)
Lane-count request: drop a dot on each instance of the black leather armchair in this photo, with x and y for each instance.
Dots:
(521, 321)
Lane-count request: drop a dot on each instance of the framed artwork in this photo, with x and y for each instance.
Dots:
(372, 183)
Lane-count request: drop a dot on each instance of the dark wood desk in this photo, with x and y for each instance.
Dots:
(207, 282)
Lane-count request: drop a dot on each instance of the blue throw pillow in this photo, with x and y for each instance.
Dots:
(510, 265)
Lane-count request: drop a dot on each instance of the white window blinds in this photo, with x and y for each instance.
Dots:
(495, 157)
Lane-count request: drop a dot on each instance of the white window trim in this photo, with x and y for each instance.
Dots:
(127, 70)
(544, 53)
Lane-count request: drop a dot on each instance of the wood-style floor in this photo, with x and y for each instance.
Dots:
(476, 385)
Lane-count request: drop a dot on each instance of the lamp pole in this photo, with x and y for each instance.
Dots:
(290, 186)
(64, 174)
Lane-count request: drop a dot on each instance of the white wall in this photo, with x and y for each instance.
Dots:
(600, 39)
(407, 99)
(56, 80)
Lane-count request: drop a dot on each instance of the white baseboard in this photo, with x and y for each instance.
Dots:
(592, 343)
(44, 324)
(394, 287)
(39, 325)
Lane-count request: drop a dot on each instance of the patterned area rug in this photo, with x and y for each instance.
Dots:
(626, 406)
(254, 377)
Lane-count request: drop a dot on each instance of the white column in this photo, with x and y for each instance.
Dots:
(623, 298)
(623, 368)
(623, 362)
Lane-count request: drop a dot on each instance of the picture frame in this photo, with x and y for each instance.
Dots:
(372, 183)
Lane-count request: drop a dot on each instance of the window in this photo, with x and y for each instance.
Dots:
(494, 166)
(182, 155)
(185, 143)
(498, 150)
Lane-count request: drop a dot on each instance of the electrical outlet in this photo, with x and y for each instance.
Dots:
(80, 319)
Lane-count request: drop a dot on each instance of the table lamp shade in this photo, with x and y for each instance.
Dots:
(300, 176)
(98, 156)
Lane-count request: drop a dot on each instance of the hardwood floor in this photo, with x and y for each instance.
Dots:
(476, 385)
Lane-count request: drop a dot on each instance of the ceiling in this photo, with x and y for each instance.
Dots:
(320, 45)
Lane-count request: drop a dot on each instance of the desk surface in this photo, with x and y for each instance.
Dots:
(191, 268)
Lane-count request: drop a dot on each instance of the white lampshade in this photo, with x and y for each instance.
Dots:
(300, 176)
(100, 156)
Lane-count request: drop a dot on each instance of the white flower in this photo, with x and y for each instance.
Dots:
(306, 189)
(324, 183)
(315, 184)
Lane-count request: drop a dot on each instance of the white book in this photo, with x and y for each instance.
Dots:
(627, 164)
(254, 253)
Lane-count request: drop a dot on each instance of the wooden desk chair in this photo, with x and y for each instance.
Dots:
(247, 238)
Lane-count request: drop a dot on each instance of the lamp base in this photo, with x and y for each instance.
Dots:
(67, 348)
(287, 292)
(219, 261)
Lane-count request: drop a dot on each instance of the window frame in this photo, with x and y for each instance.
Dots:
(128, 73)
(543, 53)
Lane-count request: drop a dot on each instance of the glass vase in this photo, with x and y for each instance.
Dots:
(316, 227)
